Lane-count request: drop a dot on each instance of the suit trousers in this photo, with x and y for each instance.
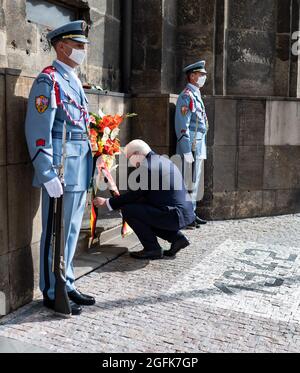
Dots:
(149, 222)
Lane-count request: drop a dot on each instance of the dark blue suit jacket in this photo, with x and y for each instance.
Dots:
(162, 187)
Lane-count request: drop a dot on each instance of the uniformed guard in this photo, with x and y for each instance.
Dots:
(57, 99)
(191, 128)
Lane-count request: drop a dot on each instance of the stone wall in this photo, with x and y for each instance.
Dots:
(252, 167)
(242, 53)
(169, 45)
(258, 47)
(25, 46)
(103, 65)
(195, 38)
(155, 121)
(147, 41)
(154, 40)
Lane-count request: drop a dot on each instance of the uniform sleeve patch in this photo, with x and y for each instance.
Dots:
(41, 104)
(184, 110)
(40, 142)
(43, 79)
(183, 131)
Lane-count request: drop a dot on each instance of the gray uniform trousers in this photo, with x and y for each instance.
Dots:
(74, 205)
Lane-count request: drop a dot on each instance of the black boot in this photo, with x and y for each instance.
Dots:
(81, 299)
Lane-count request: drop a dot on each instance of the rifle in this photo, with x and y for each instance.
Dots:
(194, 144)
(194, 164)
(61, 300)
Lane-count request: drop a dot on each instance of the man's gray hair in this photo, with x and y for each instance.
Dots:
(137, 147)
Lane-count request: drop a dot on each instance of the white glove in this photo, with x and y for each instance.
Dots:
(188, 157)
(54, 188)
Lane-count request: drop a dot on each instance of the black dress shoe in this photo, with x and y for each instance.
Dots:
(200, 221)
(192, 226)
(147, 254)
(75, 308)
(81, 299)
(181, 243)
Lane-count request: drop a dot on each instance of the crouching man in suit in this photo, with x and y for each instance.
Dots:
(160, 207)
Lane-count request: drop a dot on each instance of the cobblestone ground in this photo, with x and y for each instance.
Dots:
(235, 289)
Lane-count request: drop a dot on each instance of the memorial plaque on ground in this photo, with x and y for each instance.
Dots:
(258, 279)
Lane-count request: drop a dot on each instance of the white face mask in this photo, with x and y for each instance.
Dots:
(201, 81)
(77, 55)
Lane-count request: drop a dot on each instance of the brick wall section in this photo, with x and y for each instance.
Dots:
(253, 149)
(25, 47)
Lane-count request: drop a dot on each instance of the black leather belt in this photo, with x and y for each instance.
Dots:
(70, 136)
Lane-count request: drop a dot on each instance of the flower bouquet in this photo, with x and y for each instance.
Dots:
(103, 133)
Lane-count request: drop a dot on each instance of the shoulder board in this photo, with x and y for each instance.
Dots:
(55, 93)
(188, 92)
(49, 70)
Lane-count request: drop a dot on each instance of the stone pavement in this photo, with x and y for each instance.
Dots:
(235, 289)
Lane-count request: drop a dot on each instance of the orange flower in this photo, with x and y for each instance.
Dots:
(118, 119)
(111, 121)
(93, 133)
(106, 121)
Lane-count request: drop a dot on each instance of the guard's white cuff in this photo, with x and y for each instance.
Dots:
(108, 205)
